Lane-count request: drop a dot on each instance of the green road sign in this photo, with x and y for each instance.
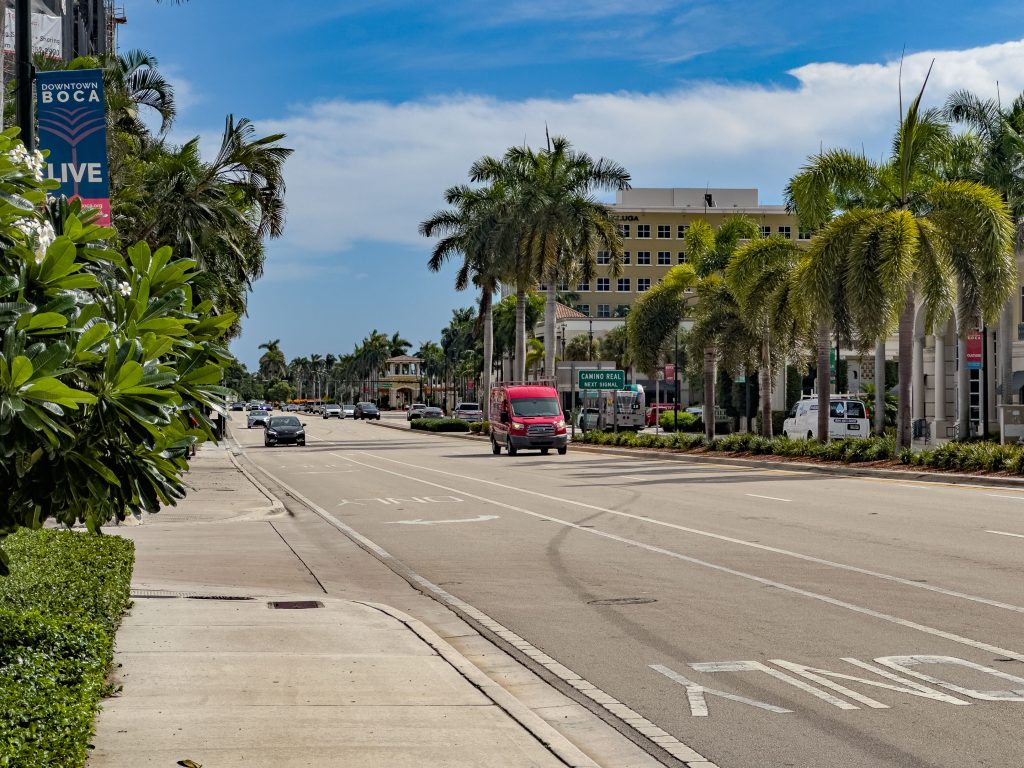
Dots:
(600, 379)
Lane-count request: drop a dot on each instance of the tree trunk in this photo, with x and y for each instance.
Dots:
(880, 387)
(710, 374)
(904, 436)
(485, 383)
(549, 326)
(765, 386)
(824, 390)
(519, 371)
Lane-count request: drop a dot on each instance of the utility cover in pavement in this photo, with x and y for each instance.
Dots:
(296, 604)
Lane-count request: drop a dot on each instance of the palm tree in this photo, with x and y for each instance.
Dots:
(272, 362)
(760, 276)
(298, 370)
(399, 346)
(912, 235)
(564, 224)
(994, 156)
(582, 347)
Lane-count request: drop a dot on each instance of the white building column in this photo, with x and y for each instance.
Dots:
(917, 380)
(939, 428)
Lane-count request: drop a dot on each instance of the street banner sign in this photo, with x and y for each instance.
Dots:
(591, 379)
(973, 350)
(73, 128)
(670, 371)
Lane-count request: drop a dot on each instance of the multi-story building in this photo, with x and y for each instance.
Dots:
(653, 223)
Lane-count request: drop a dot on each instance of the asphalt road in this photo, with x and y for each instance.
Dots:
(711, 599)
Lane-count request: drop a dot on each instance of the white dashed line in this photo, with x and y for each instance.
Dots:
(771, 498)
(1004, 533)
(1004, 496)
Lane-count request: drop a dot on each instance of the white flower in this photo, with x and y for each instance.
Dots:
(125, 289)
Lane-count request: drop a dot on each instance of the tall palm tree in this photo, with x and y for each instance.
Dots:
(564, 223)
(915, 236)
(272, 362)
(760, 276)
(399, 346)
(996, 158)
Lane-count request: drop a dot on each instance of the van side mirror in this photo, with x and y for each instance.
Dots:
(504, 417)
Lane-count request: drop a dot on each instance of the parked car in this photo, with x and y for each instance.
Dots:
(238, 406)
(284, 429)
(348, 410)
(468, 412)
(257, 419)
(366, 411)
(252, 405)
(332, 410)
(432, 412)
(588, 419)
(655, 411)
(415, 411)
(847, 417)
(526, 416)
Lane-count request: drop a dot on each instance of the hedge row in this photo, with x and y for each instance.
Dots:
(480, 427)
(440, 425)
(954, 456)
(59, 608)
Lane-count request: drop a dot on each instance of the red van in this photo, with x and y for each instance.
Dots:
(526, 416)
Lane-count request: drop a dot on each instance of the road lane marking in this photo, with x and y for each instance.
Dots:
(477, 519)
(907, 624)
(695, 694)
(728, 539)
(1006, 533)
(772, 498)
(643, 727)
(1005, 496)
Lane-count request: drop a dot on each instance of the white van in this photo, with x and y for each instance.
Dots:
(847, 417)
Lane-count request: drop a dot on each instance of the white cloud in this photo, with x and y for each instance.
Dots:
(370, 171)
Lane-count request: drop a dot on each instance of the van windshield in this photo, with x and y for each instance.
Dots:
(535, 406)
(846, 409)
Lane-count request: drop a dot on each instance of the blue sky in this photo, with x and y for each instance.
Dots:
(387, 102)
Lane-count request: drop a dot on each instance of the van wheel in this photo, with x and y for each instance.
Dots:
(495, 448)
(512, 450)
(562, 450)
(543, 451)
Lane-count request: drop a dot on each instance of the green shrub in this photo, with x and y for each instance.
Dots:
(59, 608)
(440, 425)
(480, 427)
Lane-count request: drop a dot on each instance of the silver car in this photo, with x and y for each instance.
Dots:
(333, 410)
(468, 412)
(257, 419)
(348, 410)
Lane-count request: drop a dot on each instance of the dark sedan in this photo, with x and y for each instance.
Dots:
(284, 429)
(367, 411)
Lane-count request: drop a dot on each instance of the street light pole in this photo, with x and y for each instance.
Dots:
(23, 71)
(675, 382)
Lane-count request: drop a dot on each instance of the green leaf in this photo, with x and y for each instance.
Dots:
(47, 320)
(57, 391)
(21, 371)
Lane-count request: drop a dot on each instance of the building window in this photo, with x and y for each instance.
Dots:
(625, 257)
(543, 287)
(664, 258)
(604, 310)
(664, 231)
(643, 284)
(643, 231)
(786, 232)
(583, 286)
(623, 284)
(681, 230)
(680, 258)
(623, 230)
(584, 308)
(604, 284)
(803, 233)
(603, 257)
(643, 257)
(563, 285)
(766, 231)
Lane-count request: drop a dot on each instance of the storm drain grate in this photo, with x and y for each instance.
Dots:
(295, 604)
(622, 601)
(160, 594)
(219, 597)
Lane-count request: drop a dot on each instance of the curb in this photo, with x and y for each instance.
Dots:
(552, 740)
(275, 503)
(459, 435)
(840, 470)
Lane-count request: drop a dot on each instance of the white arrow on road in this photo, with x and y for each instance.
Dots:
(477, 519)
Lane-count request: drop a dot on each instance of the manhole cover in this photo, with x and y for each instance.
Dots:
(295, 604)
(622, 601)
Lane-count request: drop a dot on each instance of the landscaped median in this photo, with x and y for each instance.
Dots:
(954, 457)
(451, 425)
(59, 609)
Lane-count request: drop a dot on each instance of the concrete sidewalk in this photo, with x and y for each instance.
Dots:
(212, 671)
